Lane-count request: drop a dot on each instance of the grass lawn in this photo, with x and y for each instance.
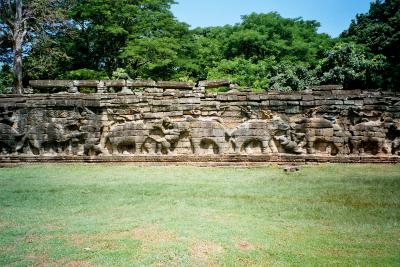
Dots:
(111, 215)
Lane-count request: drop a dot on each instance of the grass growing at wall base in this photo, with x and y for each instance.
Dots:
(100, 215)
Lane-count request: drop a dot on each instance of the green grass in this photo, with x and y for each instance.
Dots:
(100, 215)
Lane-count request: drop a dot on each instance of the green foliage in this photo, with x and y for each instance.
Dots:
(142, 39)
(379, 31)
(207, 44)
(47, 60)
(221, 89)
(6, 79)
(141, 36)
(350, 65)
(120, 74)
(286, 77)
(262, 36)
(242, 72)
(85, 74)
(255, 52)
(5, 47)
(151, 57)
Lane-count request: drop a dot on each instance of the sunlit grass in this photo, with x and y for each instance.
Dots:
(85, 215)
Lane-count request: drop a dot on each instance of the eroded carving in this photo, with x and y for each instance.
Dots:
(258, 132)
(166, 135)
(127, 138)
(369, 138)
(10, 139)
(170, 122)
(208, 135)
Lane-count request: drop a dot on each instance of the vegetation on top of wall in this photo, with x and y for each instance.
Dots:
(142, 39)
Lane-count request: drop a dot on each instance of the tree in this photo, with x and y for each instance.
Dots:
(208, 48)
(260, 36)
(140, 36)
(256, 52)
(18, 19)
(350, 65)
(17, 29)
(379, 31)
(286, 76)
(243, 72)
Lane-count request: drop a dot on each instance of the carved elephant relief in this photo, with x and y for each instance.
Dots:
(10, 139)
(206, 134)
(324, 136)
(369, 138)
(127, 138)
(258, 131)
(50, 138)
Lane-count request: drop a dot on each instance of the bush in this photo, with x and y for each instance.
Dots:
(6, 80)
(350, 65)
(120, 74)
(242, 72)
(85, 74)
(285, 77)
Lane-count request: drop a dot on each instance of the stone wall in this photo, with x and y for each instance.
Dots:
(184, 123)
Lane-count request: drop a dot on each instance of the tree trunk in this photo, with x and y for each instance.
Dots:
(18, 87)
(18, 32)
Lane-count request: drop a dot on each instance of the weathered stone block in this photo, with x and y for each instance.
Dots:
(277, 103)
(154, 90)
(326, 87)
(175, 85)
(253, 97)
(307, 103)
(324, 102)
(292, 109)
(307, 98)
(214, 83)
(51, 83)
(115, 83)
(141, 83)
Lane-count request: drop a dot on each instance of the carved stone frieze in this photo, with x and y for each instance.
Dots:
(169, 122)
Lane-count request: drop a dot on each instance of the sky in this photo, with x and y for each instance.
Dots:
(334, 15)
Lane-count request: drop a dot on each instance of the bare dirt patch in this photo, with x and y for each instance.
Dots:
(77, 264)
(245, 246)
(220, 218)
(64, 263)
(203, 250)
(39, 260)
(153, 234)
(109, 240)
(8, 249)
(341, 252)
(52, 227)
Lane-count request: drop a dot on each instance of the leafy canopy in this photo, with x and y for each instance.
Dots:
(104, 39)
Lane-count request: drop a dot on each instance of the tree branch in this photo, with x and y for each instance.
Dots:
(4, 16)
(18, 10)
(25, 29)
(138, 64)
(9, 7)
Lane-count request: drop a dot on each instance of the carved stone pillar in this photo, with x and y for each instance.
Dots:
(73, 89)
(101, 87)
(126, 89)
